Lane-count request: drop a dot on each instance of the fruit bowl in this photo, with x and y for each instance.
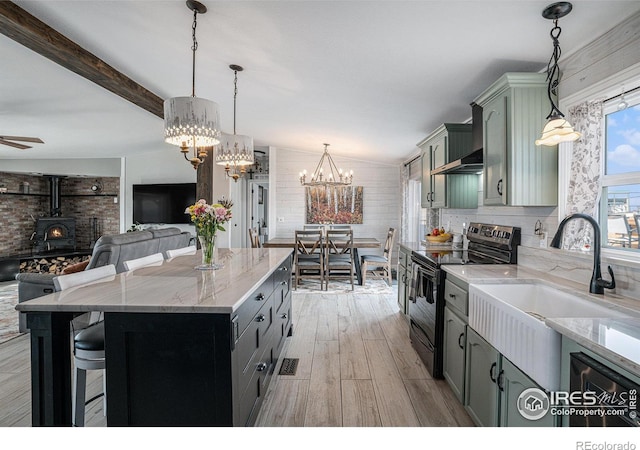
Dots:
(439, 238)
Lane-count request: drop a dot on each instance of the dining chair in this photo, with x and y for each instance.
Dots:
(339, 227)
(155, 259)
(88, 343)
(339, 256)
(379, 265)
(309, 256)
(254, 238)
(191, 250)
(619, 231)
(315, 226)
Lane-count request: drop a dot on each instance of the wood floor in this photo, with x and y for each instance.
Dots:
(356, 369)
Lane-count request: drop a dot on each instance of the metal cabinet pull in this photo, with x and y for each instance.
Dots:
(491, 372)
(260, 318)
(284, 316)
(284, 283)
(499, 187)
(501, 380)
(452, 295)
(261, 367)
(260, 297)
(459, 338)
(284, 269)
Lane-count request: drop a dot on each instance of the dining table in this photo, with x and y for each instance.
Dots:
(360, 242)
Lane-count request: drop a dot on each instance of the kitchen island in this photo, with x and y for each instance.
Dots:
(183, 347)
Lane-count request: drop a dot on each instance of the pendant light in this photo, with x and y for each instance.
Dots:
(235, 151)
(192, 123)
(557, 129)
(332, 177)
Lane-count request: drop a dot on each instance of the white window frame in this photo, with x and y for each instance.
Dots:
(608, 88)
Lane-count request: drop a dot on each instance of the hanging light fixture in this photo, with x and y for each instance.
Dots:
(557, 129)
(332, 177)
(191, 122)
(235, 151)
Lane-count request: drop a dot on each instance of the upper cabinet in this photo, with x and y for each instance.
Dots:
(448, 142)
(516, 172)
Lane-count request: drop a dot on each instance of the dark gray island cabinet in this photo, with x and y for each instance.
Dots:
(183, 347)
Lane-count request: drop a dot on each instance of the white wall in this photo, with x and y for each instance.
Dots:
(95, 167)
(382, 193)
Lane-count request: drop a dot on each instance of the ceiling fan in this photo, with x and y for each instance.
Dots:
(6, 140)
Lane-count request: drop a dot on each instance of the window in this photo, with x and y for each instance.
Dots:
(620, 199)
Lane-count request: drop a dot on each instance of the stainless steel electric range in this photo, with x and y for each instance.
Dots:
(488, 244)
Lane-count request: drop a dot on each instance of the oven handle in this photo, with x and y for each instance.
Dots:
(418, 273)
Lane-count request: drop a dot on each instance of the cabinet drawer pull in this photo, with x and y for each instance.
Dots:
(452, 295)
(261, 367)
(499, 187)
(284, 316)
(260, 297)
(284, 283)
(491, 372)
(284, 269)
(501, 380)
(459, 339)
(260, 318)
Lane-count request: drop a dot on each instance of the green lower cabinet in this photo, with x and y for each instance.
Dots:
(511, 383)
(454, 352)
(481, 392)
(493, 385)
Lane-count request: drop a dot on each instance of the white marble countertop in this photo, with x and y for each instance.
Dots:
(175, 286)
(595, 334)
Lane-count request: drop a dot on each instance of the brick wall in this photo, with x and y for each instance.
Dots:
(78, 201)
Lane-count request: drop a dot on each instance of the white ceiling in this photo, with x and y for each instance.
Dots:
(372, 78)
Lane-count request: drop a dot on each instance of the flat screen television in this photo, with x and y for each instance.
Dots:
(162, 203)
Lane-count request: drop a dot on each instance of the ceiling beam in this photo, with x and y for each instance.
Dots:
(22, 27)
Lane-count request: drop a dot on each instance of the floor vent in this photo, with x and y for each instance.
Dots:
(289, 366)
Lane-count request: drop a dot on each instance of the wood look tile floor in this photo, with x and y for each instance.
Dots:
(356, 369)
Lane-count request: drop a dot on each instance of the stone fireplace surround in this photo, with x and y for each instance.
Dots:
(19, 209)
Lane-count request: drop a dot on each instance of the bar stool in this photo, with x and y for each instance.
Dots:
(150, 260)
(88, 343)
(191, 250)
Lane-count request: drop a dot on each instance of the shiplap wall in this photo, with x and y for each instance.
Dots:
(382, 194)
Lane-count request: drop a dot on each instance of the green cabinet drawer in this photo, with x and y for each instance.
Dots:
(456, 297)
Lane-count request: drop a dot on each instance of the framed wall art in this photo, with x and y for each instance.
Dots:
(334, 204)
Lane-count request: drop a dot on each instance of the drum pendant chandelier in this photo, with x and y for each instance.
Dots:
(558, 129)
(192, 123)
(235, 151)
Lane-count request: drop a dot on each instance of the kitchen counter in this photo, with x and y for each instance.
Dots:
(175, 286)
(617, 340)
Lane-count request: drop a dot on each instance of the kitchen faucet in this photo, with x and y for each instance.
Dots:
(597, 284)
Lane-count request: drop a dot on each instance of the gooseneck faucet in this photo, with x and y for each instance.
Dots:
(597, 284)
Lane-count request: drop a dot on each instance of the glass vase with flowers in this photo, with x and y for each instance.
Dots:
(208, 220)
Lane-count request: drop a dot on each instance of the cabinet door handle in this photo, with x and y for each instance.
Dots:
(284, 316)
(491, 372)
(452, 295)
(501, 380)
(284, 269)
(284, 283)
(260, 318)
(260, 297)
(261, 367)
(459, 339)
(499, 187)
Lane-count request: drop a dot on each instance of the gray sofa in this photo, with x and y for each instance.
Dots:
(113, 249)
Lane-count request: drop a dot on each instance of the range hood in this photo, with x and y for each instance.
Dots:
(472, 163)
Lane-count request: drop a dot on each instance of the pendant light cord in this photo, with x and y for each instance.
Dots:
(235, 94)
(553, 71)
(194, 47)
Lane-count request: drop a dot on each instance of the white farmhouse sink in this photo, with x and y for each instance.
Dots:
(511, 318)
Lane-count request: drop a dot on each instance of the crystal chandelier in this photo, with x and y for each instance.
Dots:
(557, 129)
(332, 177)
(191, 123)
(235, 151)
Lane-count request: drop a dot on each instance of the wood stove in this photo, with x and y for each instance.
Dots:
(54, 233)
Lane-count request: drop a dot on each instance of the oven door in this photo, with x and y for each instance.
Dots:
(423, 314)
(616, 394)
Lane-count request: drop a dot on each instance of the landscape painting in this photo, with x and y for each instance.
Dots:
(334, 204)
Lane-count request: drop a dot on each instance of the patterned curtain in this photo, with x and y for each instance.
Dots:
(404, 226)
(584, 182)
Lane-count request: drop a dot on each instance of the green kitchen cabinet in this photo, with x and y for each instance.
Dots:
(511, 383)
(455, 329)
(516, 171)
(448, 142)
(481, 372)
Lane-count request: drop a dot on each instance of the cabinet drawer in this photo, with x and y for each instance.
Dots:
(283, 273)
(283, 323)
(256, 300)
(403, 257)
(258, 379)
(252, 344)
(456, 297)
